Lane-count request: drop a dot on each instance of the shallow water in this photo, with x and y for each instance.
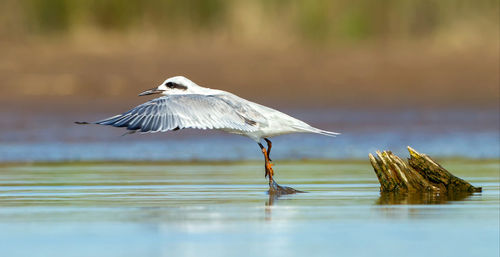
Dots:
(222, 209)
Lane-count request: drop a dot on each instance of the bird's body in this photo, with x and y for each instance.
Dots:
(188, 105)
(204, 108)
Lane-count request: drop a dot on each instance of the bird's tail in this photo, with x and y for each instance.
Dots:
(310, 129)
(325, 132)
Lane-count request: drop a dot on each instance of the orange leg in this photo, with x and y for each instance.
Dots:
(269, 145)
(274, 188)
(267, 164)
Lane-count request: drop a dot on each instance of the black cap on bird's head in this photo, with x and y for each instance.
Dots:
(178, 84)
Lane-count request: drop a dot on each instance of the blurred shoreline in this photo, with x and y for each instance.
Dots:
(414, 76)
(304, 54)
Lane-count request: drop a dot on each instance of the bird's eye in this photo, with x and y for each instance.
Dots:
(175, 85)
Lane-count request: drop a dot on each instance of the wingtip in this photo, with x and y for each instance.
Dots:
(129, 132)
(81, 122)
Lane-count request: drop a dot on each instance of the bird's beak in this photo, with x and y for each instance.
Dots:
(151, 92)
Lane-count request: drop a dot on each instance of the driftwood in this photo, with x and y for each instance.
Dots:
(419, 174)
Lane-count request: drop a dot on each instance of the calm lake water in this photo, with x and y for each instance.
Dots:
(52, 136)
(222, 209)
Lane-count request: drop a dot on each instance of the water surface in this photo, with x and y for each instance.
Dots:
(222, 209)
(52, 136)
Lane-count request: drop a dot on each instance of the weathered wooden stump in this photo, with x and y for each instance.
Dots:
(419, 174)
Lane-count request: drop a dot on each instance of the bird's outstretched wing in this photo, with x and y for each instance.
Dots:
(182, 111)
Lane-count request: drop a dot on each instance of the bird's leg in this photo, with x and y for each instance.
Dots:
(274, 188)
(267, 164)
(269, 145)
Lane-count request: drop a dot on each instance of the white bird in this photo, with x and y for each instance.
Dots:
(185, 104)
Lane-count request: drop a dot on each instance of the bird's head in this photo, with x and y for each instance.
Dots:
(174, 85)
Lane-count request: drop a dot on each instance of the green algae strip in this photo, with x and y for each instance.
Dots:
(453, 160)
(220, 172)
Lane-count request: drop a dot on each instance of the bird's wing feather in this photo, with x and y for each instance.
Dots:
(245, 109)
(184, 111)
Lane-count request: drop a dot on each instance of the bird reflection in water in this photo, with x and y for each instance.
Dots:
(269, 205)
(275, 197)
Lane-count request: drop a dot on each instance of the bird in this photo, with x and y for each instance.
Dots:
(184, 104)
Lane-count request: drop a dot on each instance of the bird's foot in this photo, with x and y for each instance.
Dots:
(277, 190)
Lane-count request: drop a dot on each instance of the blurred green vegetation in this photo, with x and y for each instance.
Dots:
(314, 20)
